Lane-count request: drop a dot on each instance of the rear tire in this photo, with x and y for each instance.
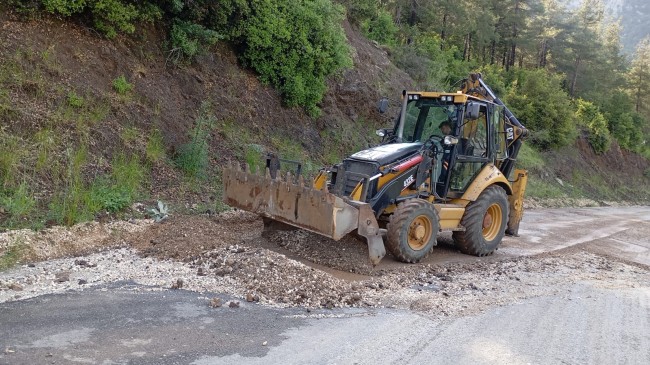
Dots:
(485, 223)
(412, 230)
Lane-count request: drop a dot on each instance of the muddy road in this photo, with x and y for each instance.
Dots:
(573, 288)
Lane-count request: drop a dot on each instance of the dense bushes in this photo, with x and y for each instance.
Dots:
(596, 124)
(293, 45)
(538, 101)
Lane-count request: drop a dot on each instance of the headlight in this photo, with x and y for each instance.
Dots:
(380, 132)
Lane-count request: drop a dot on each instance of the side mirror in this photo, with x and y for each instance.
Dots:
(472, 110)
(380, 132)
(382, 105)
(450, 140)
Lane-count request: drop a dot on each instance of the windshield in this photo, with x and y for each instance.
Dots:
(426, 117)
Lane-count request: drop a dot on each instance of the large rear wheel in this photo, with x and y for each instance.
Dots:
(412, 230)
(485, 223)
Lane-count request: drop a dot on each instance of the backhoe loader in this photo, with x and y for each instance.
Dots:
(446, 165)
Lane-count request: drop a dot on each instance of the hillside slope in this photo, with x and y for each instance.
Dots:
(68, 119)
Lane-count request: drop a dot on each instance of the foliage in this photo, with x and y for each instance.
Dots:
(12, 256)
(530, 159)
(65, 7)
(192, 157)
(189, 40)
(19, 204)
(381, 28)
(11, 154)
(155, 150)
(593, 119)
(293, 45)
(122, 86)
(109, 16)
(539, 102)
(75, 100)
(78, 201)
(159, 213)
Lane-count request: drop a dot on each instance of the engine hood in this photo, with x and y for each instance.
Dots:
(387, 153)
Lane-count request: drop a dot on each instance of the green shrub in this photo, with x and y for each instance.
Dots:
(111, 16)
(381, 28)
(75, 100)
(80, 202)
(128, 174)
(192, 157)
(529, 158)
(19, 204)
(155, 150)
(11, 155)
(360, 10)
(189, 40)
(593, 119)
(12, 256)
(65, 7)
(122, 86)
(537, 99)
(293, 45)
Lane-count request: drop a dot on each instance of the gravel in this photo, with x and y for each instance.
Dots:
(228, 255)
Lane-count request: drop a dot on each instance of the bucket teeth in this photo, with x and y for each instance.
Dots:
(289, 177)
(267, 173)
(301, 181)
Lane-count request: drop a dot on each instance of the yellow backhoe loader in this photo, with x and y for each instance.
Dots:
(444, 166)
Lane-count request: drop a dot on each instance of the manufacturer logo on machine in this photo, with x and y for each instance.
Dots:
(409, 180)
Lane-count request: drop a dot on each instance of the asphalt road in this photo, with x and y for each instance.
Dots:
(129, 325)
(588, 322)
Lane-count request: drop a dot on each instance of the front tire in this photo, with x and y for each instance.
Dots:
(412, 230)
(485, 223)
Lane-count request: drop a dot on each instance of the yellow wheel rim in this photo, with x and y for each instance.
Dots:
(419, 233)
(492, 222)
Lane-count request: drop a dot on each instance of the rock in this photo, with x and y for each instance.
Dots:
(178, 284)
(265, 343)
(15, 287)
(229, 261)
(223, 271)
(215, 303)
(249, 297)
(31, 265)
(62, 277)
(81, 262)
(233, 304)
(82, 282)
(200, 272)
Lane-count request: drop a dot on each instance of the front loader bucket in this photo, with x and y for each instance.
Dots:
(288, 200)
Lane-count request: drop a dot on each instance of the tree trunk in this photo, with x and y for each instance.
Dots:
(443, 33)
(465, 47)
(492, 51)
(575, 78)
(413, 13)
(542, 57)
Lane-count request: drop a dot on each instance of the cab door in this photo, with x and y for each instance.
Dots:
(473, 151)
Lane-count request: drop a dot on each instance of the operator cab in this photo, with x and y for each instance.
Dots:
(461, 133)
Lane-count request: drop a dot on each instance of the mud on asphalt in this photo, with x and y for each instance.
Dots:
(228, 253)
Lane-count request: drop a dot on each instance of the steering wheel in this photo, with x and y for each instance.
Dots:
(434, 140)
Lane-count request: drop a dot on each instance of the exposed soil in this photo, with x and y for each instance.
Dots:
(56, 57)
(227, 253)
